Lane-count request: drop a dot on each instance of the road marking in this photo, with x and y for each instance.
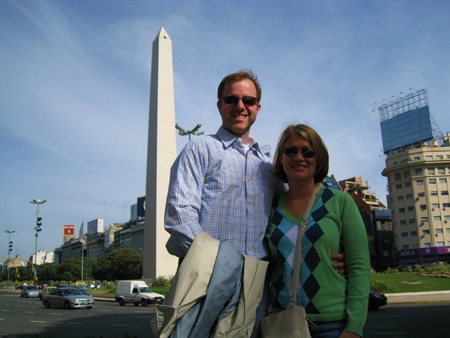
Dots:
(3, 310)
(75, 323)
(57, 314)
(29, 311)
(119, 324)
(38, 321)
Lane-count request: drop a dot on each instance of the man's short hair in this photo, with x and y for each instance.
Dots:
(310, 135)
(239, 76)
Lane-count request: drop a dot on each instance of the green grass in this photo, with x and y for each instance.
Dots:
(394, 282)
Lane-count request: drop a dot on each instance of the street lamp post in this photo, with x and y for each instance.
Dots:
(184, 132)
(37, 228)
(9, 250)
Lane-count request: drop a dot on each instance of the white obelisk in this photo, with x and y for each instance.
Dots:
(161, 153)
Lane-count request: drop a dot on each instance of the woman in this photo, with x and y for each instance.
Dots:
(335, 304)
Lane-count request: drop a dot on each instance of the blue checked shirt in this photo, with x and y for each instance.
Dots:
(216, 187)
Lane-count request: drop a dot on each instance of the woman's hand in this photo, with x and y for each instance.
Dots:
(346, 334)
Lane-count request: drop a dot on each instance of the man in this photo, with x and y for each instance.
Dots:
(222, 183)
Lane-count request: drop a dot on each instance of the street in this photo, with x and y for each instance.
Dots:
(27, 317)
(409, 320)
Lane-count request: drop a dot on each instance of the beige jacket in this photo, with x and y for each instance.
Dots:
(190, 286)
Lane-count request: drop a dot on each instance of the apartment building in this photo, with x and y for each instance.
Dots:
(419, 185)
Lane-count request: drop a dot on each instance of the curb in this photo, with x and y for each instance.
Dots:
(418, 297)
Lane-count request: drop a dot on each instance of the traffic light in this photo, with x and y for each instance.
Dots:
(10, 246)
(38, 224)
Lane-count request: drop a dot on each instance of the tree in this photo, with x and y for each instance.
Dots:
(70, 269)
(124, 263)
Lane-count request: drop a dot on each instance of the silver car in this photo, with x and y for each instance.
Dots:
(29, 291)
(68, 298)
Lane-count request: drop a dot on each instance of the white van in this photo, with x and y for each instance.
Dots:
(136, 292)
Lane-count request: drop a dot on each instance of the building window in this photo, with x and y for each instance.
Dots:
(423, 207)
(406, 174)
(401, 210)
(430, 171)
(439, 157)
(447, 230)
(433, 193)
(408, 184)
(420, 182)
(412, 220)
(405, 247)
(416, 158)
(446, 218)
(432, 181)
(424, 219)
(409, 197)
(411, 208)
(427, 245)
(404, 234)
(403, 222)
(438, 231)
(444, 192)
(400, 198)
(418, 172)
(435, 205)
(413, 233)
(396, 163)
(429, 157)
(421, 194)
(437, 218)
(405, 160)
(397, 176)
(415, 246)
(446, 205)
(442, 180)
(426, 232)
(399, 186)
(441, 171)
(440, 243)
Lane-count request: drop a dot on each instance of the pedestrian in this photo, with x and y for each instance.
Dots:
(222, 184)
(335, 304)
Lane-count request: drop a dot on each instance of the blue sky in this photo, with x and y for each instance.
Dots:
(75, 81)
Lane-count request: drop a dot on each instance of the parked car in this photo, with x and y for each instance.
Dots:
(45, 290)
(136, 292)
(68, 298)
(29, 291)
(376, 299)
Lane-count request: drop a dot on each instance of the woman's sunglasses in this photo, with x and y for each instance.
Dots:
(233, 99)
(305, 151)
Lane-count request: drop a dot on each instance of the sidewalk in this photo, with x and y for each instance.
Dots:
(418, 297)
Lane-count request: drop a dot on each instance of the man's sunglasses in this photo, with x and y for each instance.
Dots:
(233, 99)
(305, 151)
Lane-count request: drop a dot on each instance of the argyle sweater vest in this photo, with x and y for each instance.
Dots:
(325, 294)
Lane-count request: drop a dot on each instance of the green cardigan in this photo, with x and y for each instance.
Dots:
(325, 294)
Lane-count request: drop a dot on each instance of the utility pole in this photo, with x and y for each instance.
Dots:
(38, 229)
